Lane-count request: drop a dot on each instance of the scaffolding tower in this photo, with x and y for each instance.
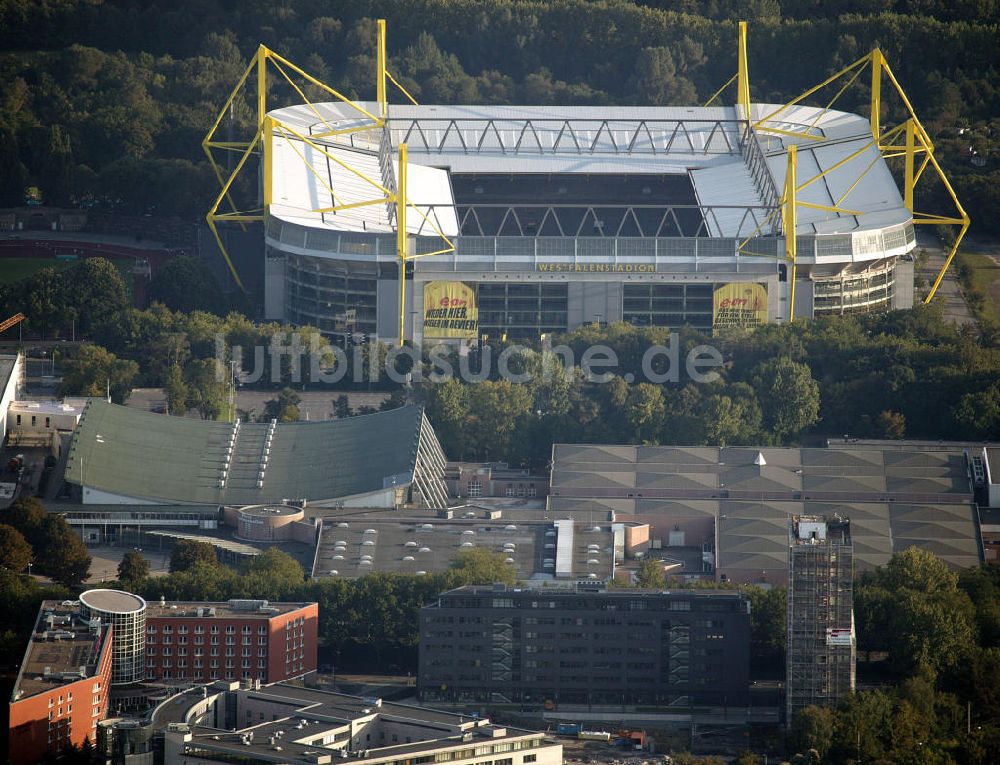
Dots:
(822, 648)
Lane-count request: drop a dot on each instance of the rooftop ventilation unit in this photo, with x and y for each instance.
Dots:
(245, 604)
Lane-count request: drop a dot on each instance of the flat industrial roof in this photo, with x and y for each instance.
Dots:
(894, 497)
(183, 609)
(51, 661)
(430, 545)
(45, 407)
(993, 463)
(306, 716)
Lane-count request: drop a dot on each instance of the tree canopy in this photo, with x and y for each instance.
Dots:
(186, 553)
(185, 283)
(103, 109)
(55, 548)
(133, 568)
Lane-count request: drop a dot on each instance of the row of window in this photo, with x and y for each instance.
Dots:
(167, 651)
(199, 663)
(591, 604)
(181, 674)
(182, 640)
(199, 629)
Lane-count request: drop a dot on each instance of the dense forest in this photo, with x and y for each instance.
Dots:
(105, 103)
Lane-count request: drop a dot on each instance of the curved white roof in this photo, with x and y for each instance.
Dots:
(702, 141)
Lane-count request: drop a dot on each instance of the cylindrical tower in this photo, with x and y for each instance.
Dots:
(126, 613)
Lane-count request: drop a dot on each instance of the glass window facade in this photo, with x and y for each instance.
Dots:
(128, 637)
(522, 310)
(337, 296)
(867, 292)
(668, 305)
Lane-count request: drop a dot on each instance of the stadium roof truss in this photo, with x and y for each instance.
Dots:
(908, 140)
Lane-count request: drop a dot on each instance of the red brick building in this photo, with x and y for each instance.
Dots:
(61, 692)
(237, 640)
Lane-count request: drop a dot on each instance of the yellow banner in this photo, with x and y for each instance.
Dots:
(739, 304)
(450, 311)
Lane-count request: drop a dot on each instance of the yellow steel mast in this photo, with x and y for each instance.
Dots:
(789, 223)
(401, 238)
(267, 127)
(742, 73)
(916, 141)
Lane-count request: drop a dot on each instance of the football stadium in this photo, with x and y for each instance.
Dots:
(430, 222)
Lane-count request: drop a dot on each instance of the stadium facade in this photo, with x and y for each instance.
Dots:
(458, 222)
(563, 216)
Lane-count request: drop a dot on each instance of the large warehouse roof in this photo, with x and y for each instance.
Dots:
(354, 545)
(894, 497)
(122, 454)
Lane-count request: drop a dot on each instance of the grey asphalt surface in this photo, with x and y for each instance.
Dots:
(955, 308)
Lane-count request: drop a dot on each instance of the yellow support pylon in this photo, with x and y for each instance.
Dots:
(916, 141)
(380, 71)
(876, 103)
(262, 141)
(742, 72)
(402, 242)
(789, 222)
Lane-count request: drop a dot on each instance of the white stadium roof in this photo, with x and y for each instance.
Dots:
(703, 142)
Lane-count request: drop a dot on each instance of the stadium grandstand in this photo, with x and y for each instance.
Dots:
(457, 222)
(125, 456)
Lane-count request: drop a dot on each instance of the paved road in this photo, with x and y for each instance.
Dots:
(105, 560)
(955, 308)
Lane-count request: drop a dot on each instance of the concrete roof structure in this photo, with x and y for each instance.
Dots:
(205, 609)
(64, 647)
(894, 497)
(234, 549)
(316, 727)
(122, 455)
(655, 472)
(112, 601)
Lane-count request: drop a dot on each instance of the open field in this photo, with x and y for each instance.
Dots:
(15, 269)
(980, 278)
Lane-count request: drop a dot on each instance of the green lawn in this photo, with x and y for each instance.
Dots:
(15, 269)
(980, 278)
